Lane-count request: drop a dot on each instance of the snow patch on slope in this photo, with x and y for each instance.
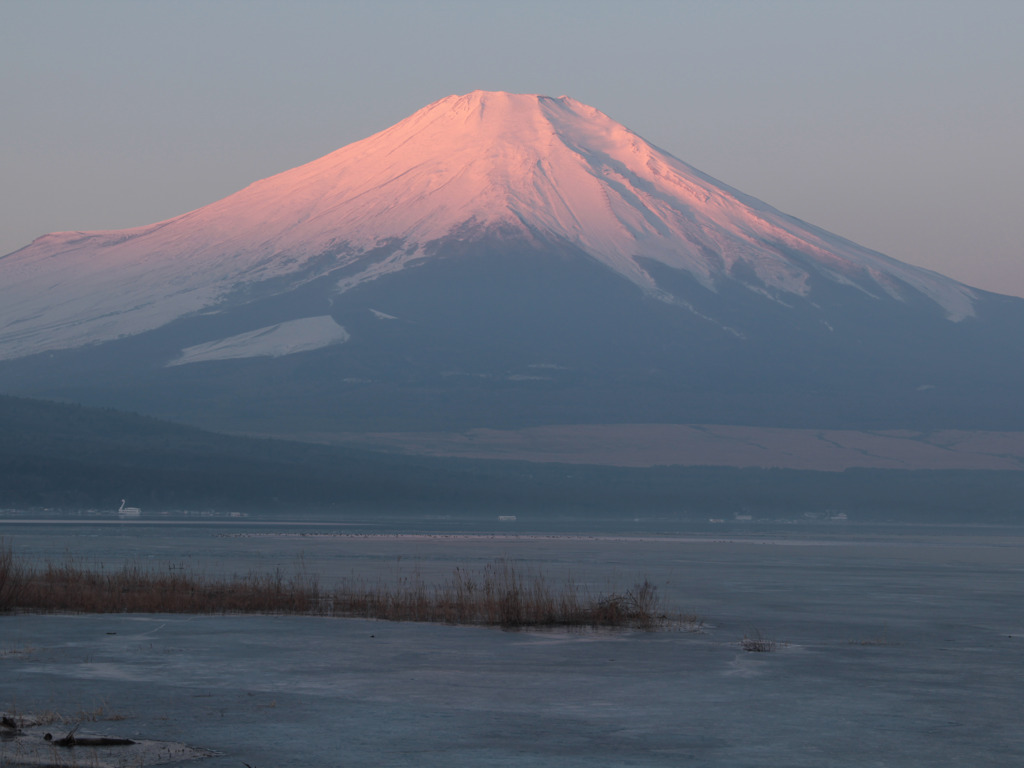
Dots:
(286, 338)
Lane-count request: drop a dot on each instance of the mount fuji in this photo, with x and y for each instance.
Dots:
(502, 260)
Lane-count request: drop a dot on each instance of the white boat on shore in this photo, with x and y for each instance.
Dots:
(124, 511)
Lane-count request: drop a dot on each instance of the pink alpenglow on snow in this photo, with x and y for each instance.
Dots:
(544, 167)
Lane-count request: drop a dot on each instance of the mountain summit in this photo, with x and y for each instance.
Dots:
(489, 240)
(545, 168)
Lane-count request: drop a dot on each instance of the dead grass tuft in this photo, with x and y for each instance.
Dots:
(500, 595)
(497, 595)
(757, 643)
(12, 577)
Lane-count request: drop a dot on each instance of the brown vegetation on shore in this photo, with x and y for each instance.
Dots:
(497, 595)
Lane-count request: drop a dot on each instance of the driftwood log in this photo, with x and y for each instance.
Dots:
(87, 741)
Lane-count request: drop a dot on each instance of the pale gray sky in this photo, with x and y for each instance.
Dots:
(896, 124)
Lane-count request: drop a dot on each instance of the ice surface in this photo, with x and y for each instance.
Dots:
(896, 646)
(272, 341)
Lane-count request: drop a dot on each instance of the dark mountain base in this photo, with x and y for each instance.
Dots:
(466, 348)
(70, 457)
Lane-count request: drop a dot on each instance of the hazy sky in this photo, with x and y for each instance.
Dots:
(899, 125)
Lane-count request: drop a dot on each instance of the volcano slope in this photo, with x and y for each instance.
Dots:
(504, 261)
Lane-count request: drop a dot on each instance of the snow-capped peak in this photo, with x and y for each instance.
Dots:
(549, 167)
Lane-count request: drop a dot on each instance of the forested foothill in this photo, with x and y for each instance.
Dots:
(70, 457)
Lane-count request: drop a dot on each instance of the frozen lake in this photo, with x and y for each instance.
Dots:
(895, 646)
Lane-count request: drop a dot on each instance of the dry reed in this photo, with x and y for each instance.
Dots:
(12, 577)
(497, 595)
(755, 642)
